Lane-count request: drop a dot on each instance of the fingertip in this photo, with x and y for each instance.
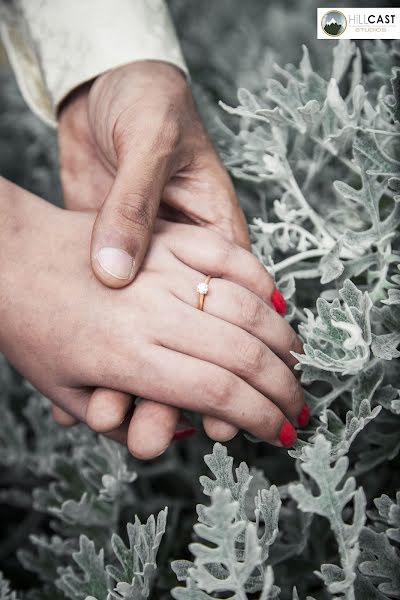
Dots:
(62, 418)
(124, 225)
(107, 409)
(219, 431)
(113, 267)
(287, 435)
(279, 302)
(303, 418)
(151, 429)
(145, 451)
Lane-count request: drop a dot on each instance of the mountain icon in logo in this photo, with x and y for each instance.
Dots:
(334, 23)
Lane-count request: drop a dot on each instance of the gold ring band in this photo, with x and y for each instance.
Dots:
(202, 290)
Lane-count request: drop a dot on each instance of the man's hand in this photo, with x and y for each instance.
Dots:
(130, 140)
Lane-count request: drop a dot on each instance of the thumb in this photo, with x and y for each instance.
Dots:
(124, 225)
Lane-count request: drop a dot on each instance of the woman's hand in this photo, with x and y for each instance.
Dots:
(68, 334)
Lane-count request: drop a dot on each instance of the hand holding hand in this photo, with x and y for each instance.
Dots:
(231, 362)
(130, 139)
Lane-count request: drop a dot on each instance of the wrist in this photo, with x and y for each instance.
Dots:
(13, 219)
(136, 100)
(73, 100)
(128, 84)
(151, 71)
(20, 213)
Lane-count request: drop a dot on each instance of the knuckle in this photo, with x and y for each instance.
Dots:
(134, 212)
(295, 343)
(296, 394)
(170, 131)
(163, 128)
(222, 215)
(259, 273)
(251, 311)
(263, 280)
(157, 123)
(221, 393)
(252, 358)
(225, 251)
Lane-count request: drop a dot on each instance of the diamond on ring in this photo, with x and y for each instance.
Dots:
(202, 288)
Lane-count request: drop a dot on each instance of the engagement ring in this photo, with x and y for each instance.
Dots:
(202, 290)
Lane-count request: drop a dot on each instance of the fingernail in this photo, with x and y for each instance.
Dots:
(279, 302)
(287, 435)
(304, 416)
(116, 262)
(183, 433)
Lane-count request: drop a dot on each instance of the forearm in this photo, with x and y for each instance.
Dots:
(18, 208)
(21, 214)
(10, 225)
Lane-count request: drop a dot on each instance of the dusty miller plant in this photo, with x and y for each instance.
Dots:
(320, 158)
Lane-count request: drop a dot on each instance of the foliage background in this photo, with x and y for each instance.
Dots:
(56, 486)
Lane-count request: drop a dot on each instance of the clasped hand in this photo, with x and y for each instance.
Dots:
(128, 141)
(231, 362)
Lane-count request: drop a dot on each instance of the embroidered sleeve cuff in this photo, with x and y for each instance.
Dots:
(54, 46)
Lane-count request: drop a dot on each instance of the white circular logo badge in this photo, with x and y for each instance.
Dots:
(334, 23)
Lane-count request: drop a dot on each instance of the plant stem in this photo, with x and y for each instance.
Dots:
(333, 152)
(346, 560)
(383, 132)
(310, 212)
(282, 225)
(375, 293)
(327, 400)
(292, 260)
(306, 274)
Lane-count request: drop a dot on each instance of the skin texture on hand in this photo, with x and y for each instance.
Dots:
(231, 362)
(130, 140)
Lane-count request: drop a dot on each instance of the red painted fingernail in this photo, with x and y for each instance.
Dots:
(287, 435)
(279, 302)
(183, 433)
(304, 416)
